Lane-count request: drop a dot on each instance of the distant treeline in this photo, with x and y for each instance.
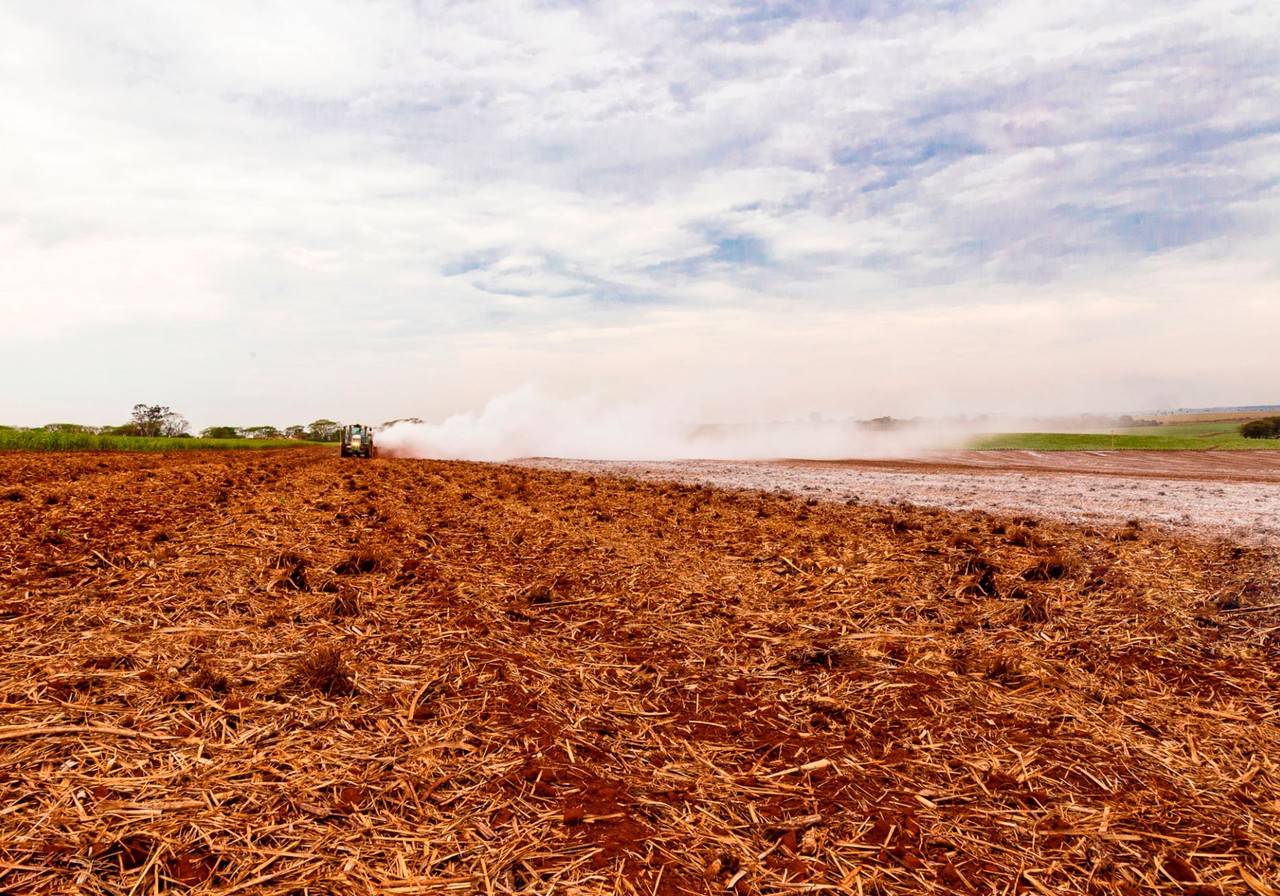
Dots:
(157, 421)
(156, 427)
(316, 431)
(40, 439)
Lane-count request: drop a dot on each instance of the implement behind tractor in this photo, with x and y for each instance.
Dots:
(357, 441)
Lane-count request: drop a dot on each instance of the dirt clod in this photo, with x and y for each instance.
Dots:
(360, 563)
(325, 670)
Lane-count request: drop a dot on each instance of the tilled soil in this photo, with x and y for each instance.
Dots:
(287, 673)
(1231, 494)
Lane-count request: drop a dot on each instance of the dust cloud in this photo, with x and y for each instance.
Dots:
(529, 422)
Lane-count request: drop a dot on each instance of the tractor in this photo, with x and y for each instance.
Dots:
(357, 440)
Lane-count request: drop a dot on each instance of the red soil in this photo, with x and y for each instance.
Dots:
(287, 673)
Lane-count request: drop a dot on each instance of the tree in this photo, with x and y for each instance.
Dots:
(324, 431)
(147, 419)
(1266, 428)
(67, 427)
(220, 432)
(157, 420)
(261, 432)
(295, 432)
(174, 425)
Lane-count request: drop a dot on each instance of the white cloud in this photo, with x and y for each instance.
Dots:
(49, 287)
(461, 193)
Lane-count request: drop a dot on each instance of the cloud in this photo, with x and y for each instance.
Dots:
(421, 185)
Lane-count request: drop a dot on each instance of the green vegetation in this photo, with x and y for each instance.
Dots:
(43, 440)
(154, 427)
(1169, 437)
(1266, 428)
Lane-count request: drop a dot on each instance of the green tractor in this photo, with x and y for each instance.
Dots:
(357, 440)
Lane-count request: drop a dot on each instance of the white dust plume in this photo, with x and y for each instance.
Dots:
(530, 423)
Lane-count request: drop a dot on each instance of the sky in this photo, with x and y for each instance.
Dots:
(263, 212)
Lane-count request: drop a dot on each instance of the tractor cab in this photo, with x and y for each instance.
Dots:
(357, 440)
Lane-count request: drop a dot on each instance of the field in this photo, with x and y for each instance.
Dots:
(39, 440)
(282, 672)
(1233, 495)
(1179, 436)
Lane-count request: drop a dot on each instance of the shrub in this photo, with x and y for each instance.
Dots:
(1266, 428)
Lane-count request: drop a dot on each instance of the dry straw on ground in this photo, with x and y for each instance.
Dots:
(291, 674)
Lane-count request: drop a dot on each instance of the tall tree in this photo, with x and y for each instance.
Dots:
(324, 431)
(157, 420)
(174, 424)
